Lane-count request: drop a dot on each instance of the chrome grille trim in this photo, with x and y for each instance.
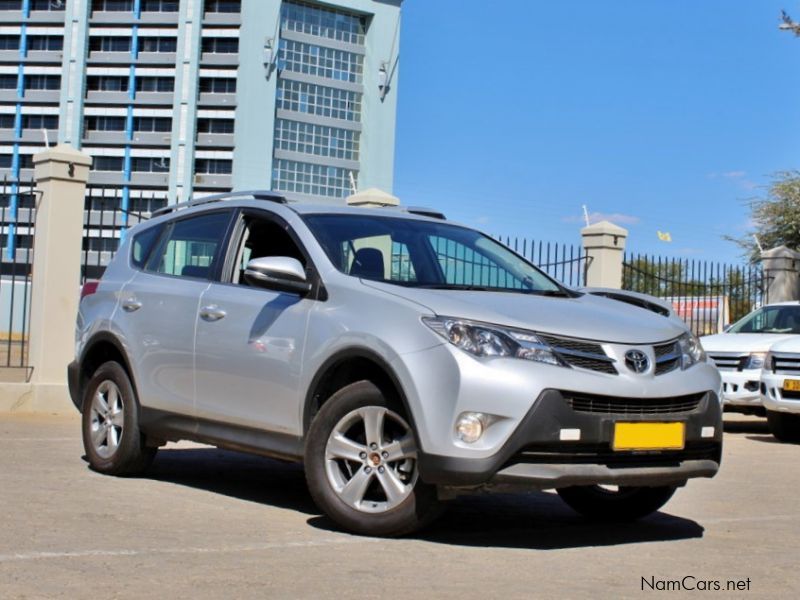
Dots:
(668, 357)
(727, 361)
(786, 363)
(583, 354)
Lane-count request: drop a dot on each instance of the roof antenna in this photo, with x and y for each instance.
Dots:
(586, 215)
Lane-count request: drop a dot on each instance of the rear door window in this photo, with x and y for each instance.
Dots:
(143, 244)
(192, 247)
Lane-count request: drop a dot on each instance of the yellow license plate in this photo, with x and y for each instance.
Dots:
(791, 385)
(649, 436)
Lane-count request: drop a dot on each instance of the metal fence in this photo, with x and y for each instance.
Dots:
(108, 213)
(565, 262)
(17, 220)
(707, 295)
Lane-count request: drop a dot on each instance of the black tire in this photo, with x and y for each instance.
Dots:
(129, 455)
(624, 504)
(784, 426)
(416, 510)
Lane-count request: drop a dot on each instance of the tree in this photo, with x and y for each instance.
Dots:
(776, 218)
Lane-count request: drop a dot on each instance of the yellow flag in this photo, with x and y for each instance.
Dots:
(664, 236)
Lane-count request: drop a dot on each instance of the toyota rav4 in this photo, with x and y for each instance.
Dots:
(404, 359)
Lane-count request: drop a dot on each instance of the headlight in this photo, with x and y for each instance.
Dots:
(482, 339)
(756, 360)
(691, 350)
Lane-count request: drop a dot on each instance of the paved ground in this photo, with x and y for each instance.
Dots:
(211, 524)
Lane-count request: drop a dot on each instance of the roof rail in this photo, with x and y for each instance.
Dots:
(425, 212)
(255, 194)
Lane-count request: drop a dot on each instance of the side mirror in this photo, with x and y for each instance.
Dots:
(280, 273)
(727, 327)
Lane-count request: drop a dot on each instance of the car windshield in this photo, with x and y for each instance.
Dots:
(425, 254)
(770, 319)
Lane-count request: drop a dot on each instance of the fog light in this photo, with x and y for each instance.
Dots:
(469, 427)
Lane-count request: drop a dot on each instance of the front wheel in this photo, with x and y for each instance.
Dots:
(361, 465)
(616, 504)
(112, 440)
(784, 426)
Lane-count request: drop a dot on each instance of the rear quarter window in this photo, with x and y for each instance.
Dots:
(143, 244)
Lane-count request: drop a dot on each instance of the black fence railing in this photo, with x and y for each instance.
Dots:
(565, 262)
(707, 295)
(109, 213)
(17, 220)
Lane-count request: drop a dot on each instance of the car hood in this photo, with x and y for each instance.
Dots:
(586, 316)
(742, 342)
(788, 344)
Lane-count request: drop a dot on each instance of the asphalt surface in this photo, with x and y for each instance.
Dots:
(206, 523)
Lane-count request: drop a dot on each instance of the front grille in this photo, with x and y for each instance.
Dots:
(668, 357)
(728, 361)
(790, 395)
(786, 363)
(581, 353)
(609, 405)
(602, 454)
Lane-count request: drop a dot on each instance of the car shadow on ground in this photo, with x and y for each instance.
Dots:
(234, 474)
(535, 520)
(538, 521)
(750, 426)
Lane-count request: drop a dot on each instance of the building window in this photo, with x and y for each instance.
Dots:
(47, 5)
(6, 121)
(109, 43)
(152, 124)
(221, 45)
(323, 22)
(10, 4)
(42, 82)
(215, 126)
(319, 140)
(39, 121)
(223, 6)
(46, 43)
(321, 61)
(107, 83)
(107, 163)
(315, 180)
(112, 5)
(216, 166)
(160, 5)
(26, 161)
(8, 82)
(9, 42)
(158, 44)
(155, 84)
(319, 100)
(104, 124)
(217, 85)
(5, 161)
(148, 164)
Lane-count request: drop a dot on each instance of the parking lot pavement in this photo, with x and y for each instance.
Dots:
(205, 523)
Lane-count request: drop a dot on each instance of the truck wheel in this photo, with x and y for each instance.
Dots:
(110, 423)
(784, 426)
(616, 504)
(361, 465)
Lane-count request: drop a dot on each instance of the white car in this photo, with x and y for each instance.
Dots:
(780, 387)
(740, 352)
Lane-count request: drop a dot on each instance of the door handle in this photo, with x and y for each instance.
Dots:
(212, 313)
(131, 305)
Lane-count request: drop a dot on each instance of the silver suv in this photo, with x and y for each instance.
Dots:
(404, 359)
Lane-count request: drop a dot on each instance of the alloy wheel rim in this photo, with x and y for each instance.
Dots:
(107, 419)
(371, 459)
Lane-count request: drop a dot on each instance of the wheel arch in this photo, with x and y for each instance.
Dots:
(348, 366)
(102, 347)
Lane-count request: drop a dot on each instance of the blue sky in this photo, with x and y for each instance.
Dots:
(661, 114)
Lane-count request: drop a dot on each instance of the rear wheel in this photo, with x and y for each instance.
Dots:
(616, 503)
(361, 465)
(112, 440)
(784, 426)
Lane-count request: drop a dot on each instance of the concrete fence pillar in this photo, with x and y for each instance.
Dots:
(781, 267)
(604, 244)
(61, 174)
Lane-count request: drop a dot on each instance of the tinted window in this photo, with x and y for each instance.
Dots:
(143, 244)
(190, 248)
(770, 319)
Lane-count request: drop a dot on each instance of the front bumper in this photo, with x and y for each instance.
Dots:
(536, 456)
(741, 388)
(774, 397)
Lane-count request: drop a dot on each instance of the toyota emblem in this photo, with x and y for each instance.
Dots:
(637, 361)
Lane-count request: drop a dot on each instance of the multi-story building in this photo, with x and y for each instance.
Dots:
(173, 97)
